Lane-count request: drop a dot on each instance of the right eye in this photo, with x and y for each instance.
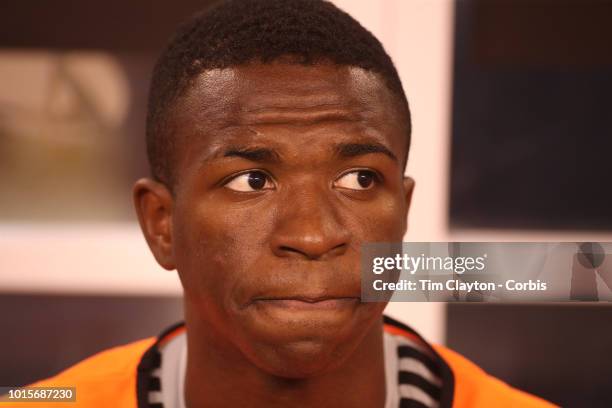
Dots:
(251, 181)
(357, 180)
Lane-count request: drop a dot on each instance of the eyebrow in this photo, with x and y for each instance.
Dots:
(348, 150)
(255, 154)
(343, 150)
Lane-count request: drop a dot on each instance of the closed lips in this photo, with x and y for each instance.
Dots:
(308, 303)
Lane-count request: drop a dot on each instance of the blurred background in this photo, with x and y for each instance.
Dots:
(511, 104)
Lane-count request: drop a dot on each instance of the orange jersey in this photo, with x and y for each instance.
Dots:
(118, 377)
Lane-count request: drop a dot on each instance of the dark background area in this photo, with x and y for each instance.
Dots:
(43, 334)
(531, 149)
(112, 25)
(531, 128)
(558, 351)
(133, 32)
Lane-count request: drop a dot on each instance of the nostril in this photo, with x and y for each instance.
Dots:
(311, 253)
(289, 249)
(339, 246)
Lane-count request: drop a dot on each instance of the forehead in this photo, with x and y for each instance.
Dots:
(286, 98)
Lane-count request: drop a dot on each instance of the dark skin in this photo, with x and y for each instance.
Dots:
(281, 172)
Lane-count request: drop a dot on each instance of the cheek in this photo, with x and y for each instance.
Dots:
(382, 220)
(216, 246)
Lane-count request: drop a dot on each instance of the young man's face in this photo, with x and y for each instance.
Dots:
(282, 172)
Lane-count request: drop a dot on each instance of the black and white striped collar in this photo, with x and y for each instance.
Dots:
(424, 379)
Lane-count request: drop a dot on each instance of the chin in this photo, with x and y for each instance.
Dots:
(301, 359)
(300, 345)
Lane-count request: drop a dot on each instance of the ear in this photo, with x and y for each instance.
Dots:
(408, 190)
(153, 202)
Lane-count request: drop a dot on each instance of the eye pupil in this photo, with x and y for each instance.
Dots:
(257, 180)
(365, 179)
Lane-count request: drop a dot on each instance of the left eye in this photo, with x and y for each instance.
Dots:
(357, 180)
(251, 181)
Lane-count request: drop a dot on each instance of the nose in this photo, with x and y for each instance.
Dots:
(309, 227)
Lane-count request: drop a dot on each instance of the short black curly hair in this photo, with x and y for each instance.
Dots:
(237, 32)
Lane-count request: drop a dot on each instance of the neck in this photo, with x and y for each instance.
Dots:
(219, 375)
